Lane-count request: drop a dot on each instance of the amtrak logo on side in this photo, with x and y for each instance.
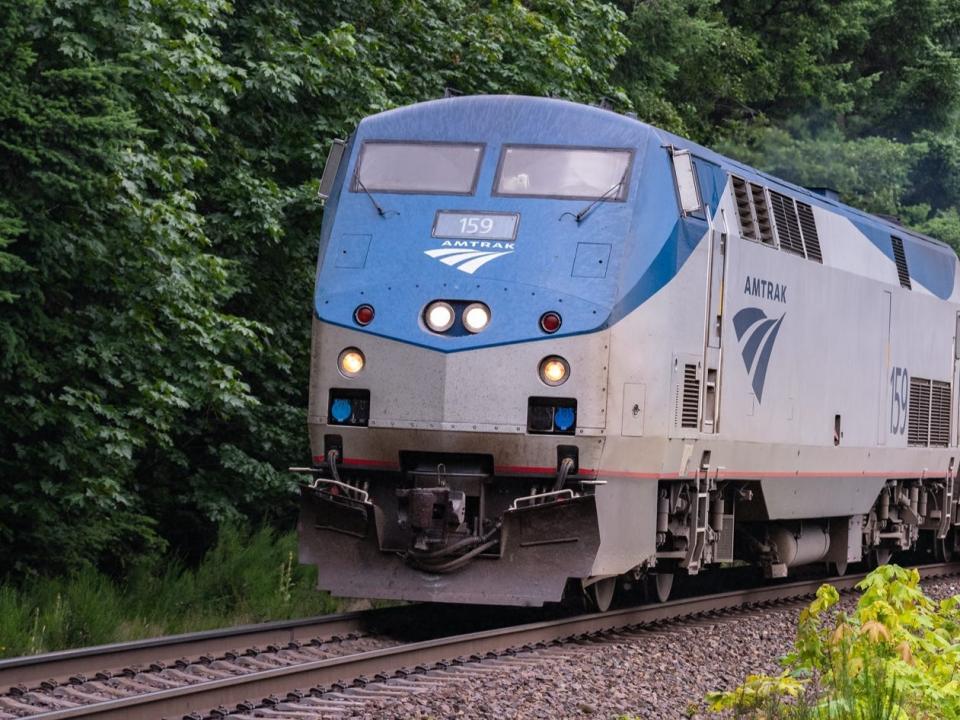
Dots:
(757, 333)
(469, 255)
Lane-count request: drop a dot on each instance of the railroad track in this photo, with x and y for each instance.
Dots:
(31, 670)
(333, 686)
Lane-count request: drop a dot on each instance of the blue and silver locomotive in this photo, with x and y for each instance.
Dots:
(554, 346)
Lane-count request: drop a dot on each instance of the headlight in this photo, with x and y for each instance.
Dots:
(439, 316)
(554, 370)
(476, 317)
(351, 362)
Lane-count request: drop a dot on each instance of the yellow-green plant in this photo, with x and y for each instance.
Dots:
(896, 657)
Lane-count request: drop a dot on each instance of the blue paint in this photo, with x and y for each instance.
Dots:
(341, 409)
(591, 260)
(673, 254)
(379, 259)
(932, 266)
(745, 318)
(753, 342)
(761, 338)
(929, 264)
(713, 180)
(564, 418)
(351, 250)
(540, 272)
(760, 374)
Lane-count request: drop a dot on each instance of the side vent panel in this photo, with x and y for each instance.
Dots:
(744, 208)
(690, 412)
(808, 227)
(918, 423)
(900, 258)
(940, 414)
(788, 227)
(929, 413)
(762, 212)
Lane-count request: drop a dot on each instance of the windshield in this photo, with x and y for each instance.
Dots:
(434, 168)
(579, 173)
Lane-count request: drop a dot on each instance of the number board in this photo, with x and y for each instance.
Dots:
(480, 226)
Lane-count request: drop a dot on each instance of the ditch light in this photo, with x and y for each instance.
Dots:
(554, 416)
(349, 407)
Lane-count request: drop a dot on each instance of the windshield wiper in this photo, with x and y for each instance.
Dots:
(580, 216)
(380, 211)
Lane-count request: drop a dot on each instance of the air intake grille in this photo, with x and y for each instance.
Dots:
(900, 258)
(918, 427)
(929, 415)
(762, 212)
(808, 226)
(940, 414)
(744, 208)
(788, 227)
(690, 414)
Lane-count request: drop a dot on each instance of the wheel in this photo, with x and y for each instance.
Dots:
(662, 585)
(837, 569)
(601, 593)
(878, 556)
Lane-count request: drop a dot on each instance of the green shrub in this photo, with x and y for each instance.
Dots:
(247, 577)
(896, 657)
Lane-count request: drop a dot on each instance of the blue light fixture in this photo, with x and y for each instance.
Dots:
(563, 418)
(341, 409)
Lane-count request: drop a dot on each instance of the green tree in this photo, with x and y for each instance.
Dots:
(158, 230)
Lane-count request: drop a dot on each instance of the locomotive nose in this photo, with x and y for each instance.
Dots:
(517, 388)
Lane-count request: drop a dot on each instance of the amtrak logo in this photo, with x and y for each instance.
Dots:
(757, 334)
(469, 255)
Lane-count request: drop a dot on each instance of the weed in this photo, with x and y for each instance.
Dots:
(246, 577)
(894, 658)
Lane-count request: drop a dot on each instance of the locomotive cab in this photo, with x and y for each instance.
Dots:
(467, 274)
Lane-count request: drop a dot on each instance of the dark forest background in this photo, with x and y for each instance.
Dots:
(159, 162)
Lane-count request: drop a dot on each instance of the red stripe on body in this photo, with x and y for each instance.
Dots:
(723, 474)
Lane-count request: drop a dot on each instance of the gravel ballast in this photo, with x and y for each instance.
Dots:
(651, 674)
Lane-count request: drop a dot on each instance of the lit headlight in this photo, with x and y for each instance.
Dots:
(476, 317)
(554, 370)
(439, 316)
(350, 362)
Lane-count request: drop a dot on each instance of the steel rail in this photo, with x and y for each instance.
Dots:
(31, 670)
(228, 692)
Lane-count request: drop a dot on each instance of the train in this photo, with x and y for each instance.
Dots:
(557, 351)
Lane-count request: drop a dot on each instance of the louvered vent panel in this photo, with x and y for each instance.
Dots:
(918, 423)
(900, 258)
(788, 228)
(762, 212)
(690, 414)
(940, 414)
(808, 226)
(742, 197)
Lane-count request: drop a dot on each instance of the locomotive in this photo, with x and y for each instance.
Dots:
(554, 346)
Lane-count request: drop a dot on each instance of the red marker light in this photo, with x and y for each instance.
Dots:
(550, 322)
(363, 315)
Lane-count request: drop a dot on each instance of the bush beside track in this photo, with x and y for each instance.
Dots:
(246, 577)
(894, 657)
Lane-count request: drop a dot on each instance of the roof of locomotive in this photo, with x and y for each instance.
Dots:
(566, 115)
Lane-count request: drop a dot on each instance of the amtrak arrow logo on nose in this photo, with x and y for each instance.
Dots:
(757, 333)
(465, 260)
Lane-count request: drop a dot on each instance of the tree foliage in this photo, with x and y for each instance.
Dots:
(158, 224)
(159, 162)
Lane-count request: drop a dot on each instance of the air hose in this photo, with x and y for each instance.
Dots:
(566, 465)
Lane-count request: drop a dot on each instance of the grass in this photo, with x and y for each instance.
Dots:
(246, 577)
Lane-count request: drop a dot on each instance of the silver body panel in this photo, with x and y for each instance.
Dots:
(846, 325)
